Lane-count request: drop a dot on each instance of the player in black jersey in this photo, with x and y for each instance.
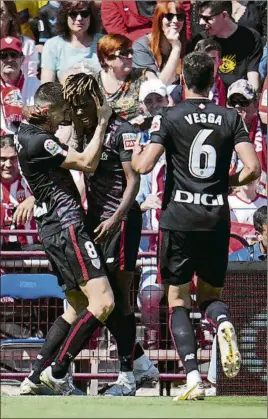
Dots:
(45, 164)
(198, 137)
(115, 219)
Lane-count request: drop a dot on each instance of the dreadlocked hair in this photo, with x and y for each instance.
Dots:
(76, 86)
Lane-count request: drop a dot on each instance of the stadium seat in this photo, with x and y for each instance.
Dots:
(27, 286)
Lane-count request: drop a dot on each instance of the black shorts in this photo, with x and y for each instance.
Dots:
(120, 250)
(73, 256)
(183, 253)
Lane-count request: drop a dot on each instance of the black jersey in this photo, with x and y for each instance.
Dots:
(199, 138)
(58, 202)
(107, 185)
(47, 20)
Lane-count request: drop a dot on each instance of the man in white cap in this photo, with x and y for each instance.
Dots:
(243, 98)
(153, 96)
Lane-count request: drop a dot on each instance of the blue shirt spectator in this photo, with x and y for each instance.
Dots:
(263, 64)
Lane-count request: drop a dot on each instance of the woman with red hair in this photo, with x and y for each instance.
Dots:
(163, 49)
(118, 80)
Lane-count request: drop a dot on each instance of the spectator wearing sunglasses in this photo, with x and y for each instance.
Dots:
(163, 49)
(17, 89)
(10, 26)
(243, 98)
(118, 80)
(241, 46)
(76, 40)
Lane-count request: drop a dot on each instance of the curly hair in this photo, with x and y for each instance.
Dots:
(66, 7)
(76, 86)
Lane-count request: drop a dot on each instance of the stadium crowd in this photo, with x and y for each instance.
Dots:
(135, 51)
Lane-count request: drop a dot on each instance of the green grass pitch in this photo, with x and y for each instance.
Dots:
(131, 407)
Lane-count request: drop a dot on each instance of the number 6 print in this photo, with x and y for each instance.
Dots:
(208, 152)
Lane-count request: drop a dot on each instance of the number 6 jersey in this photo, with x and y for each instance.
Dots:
(199, 138)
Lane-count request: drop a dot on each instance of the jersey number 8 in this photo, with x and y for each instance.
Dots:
(91, 251)
(201, 154)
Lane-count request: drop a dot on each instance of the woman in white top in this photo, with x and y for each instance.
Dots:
(76, 41)
(10, 26)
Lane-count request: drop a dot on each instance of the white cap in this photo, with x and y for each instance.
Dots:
(152, 86)
(243, 87)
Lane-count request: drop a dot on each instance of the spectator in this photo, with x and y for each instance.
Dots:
(132, 19)
(16, 198)
(10, 27)
(241, 47)
(47, 19)
(247, 14)
(76, 41)
(258, 251)
(163, 49)
(16, 89)
(118, 81)
(263, 63)
(241, 96)
(244, 202)
(153, 96)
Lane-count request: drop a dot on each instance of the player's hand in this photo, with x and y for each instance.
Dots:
(24, 211)
(33, 114)
(104, 112)
(138, 148)
(106, 228)
(152, 202)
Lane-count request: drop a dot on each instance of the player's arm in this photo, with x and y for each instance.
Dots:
(144, 158)
(88, 160)
(247, 154)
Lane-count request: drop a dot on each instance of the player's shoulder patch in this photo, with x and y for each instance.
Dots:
(129, 139)
(53, 148)
(156, 124)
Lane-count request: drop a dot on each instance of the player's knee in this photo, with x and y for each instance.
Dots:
(103, 308)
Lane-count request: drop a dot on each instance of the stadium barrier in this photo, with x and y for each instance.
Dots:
(246, 294)
(98, 362)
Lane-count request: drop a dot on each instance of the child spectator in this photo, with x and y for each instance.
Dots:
(16, 89)
(47, 19)
(258, 251)
(163, 49)
(76, 40)
(16, 198)
(243, 98)
(10, 27)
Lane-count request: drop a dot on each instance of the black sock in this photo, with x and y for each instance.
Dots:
(123, 329)
(216, 311)
(138, 351)
(55, 337)
(183, 335)
(79, 334)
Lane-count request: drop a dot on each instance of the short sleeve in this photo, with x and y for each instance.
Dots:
(257, 51)
(125, 137)
(47, 152)
(49, 54)
(142, 57)
(159, 130)
(240, 133)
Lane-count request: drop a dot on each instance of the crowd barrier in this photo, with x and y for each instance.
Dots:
(97, 363)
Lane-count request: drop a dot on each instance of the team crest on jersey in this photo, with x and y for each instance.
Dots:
(52, 147)
(129, 140)
(156, 124)
(20, 195)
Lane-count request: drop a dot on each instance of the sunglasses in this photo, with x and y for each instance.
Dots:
(125, 53)
(170, 16)
(83, 13)
(12, 54)
(208, 19)
(242, 103)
